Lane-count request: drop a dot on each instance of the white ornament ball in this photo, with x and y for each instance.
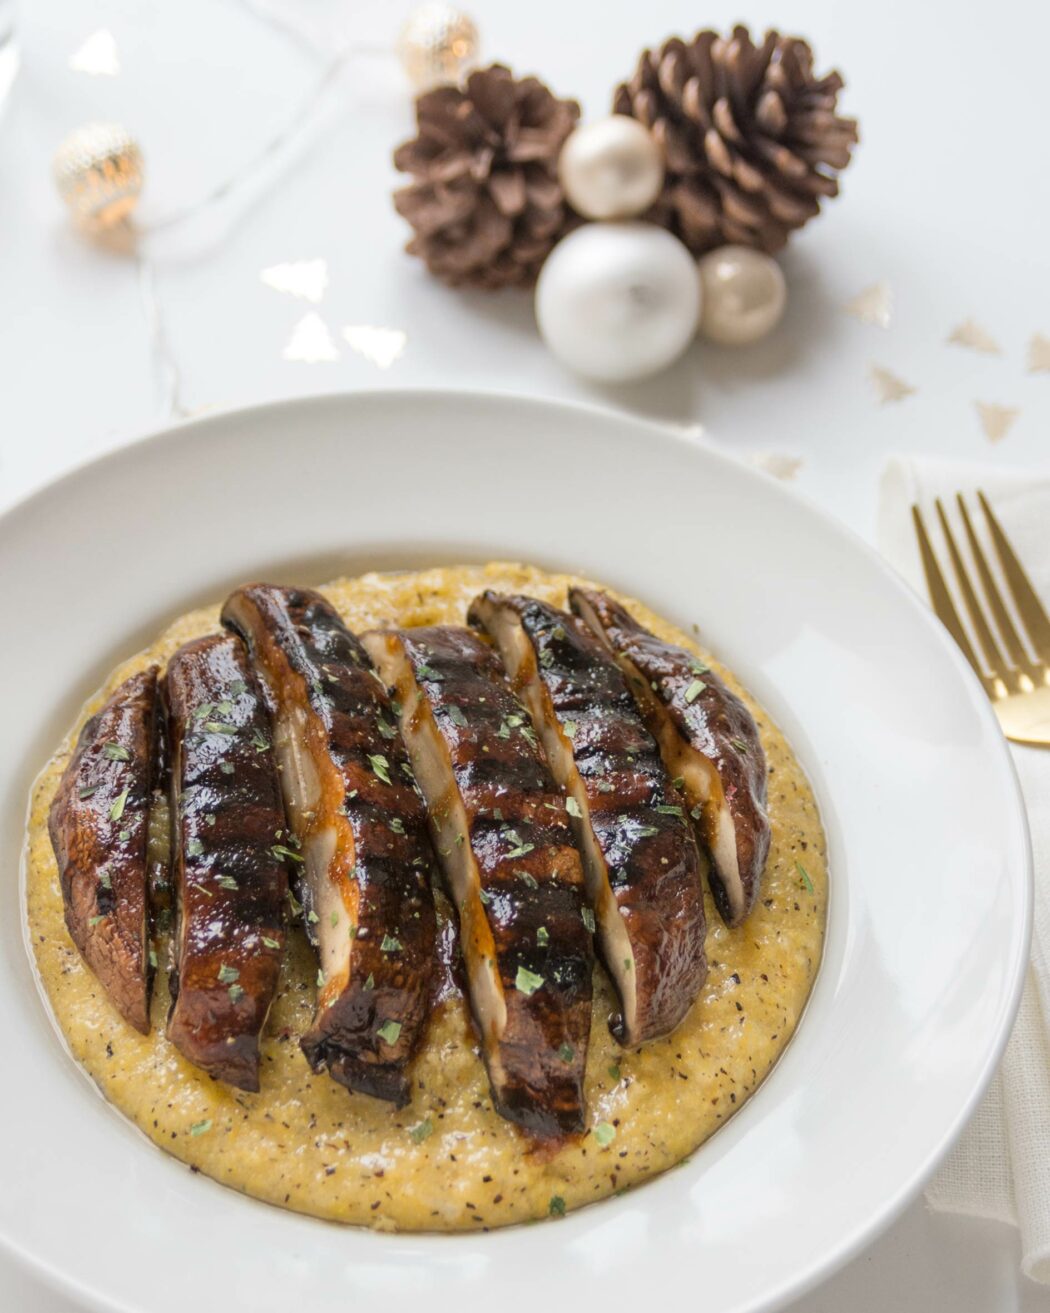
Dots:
(611, 169)
(98, 172)
(744, 294)
(618, 301)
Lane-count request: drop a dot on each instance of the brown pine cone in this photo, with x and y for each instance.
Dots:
(750, 134)
(485, 200)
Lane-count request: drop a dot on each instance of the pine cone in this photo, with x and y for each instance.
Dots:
(485, 200)
(750, 134)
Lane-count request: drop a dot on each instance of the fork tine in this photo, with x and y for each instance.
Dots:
(940, 598)
(992, 595)
(985, 638)
(1025, 598)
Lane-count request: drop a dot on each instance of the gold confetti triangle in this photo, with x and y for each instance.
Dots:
(777, 463)
(996, 420)
(98, 56)
(307, 279)
(872, 306)
(379, 346)
(311, 342)
(1039, 354)
(976, 338)
(888, 386)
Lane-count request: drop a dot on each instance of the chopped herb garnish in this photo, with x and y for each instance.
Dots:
(237, 688)
(312, 917)
(805, 876)
(105, 879)
(526, 981)
(397, 825)
(117, 810)
(698, 667)
(94, 920)
(667, 810)
(421, 1131)
(546, 658)
(614, 1071)
(385, 728)
(696, 812)
(370, 983)
(123, 835)
(204, 711)
(604, 1133)
(627, 964)
(526, 877)
(227, 975)
(224, 707)
(235, 992)
(389, 1031)
(87, 791)
(570, 728)
(226, 767)
(194, 848)
(645, 831)
(739, 744)
(694, 690)
(227, 882)
(390, 944)
(573, 808)
(527, 734)
(259, 741)
(455, 714)
(217, 727)
(279, 850)
(558, 632)
(153, 958)
(587, 917)
(320, 978)
(678, 781)
(515, 720)
(115, 752)
(566, 1053)
(201, 1128)
(556, 1207)
(521, 850)
(504, 731)
(485, 896)
(543, 936)
(606, 786)
(271, 943)
(334, 919)
(380, 766)
(294, 905)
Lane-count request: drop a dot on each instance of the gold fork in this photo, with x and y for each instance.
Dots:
(1018, 686)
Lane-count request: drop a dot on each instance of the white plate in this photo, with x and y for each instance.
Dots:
(930, 863)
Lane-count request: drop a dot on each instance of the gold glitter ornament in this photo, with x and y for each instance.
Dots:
(437, 45)
(98, 172)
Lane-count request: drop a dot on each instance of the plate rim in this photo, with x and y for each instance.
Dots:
(141, 439)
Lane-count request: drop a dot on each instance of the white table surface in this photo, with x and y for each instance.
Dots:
(946, 202)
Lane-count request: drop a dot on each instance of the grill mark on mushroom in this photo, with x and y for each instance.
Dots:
(98, 825)
(367, 862)
(640, 856)
(502, 835)
(707, 737)
(230, 883)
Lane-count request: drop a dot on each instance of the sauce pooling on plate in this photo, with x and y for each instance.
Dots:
(447, 1160)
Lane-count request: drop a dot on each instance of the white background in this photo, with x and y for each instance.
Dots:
(947, 203)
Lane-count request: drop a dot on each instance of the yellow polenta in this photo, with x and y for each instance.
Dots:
(447, 1161)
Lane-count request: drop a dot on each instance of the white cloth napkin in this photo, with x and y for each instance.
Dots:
(1001, 1166)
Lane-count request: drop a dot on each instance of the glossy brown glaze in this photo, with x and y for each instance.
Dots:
(367, 861)
(708, 738)
(502, 834)
(643, 867)
(230, 880)
(98, 824)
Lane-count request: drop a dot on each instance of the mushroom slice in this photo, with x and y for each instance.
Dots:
(230, 879)
(503, 838)
(98, 825)
(708, 739)
(642, 864)
(365, 859)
